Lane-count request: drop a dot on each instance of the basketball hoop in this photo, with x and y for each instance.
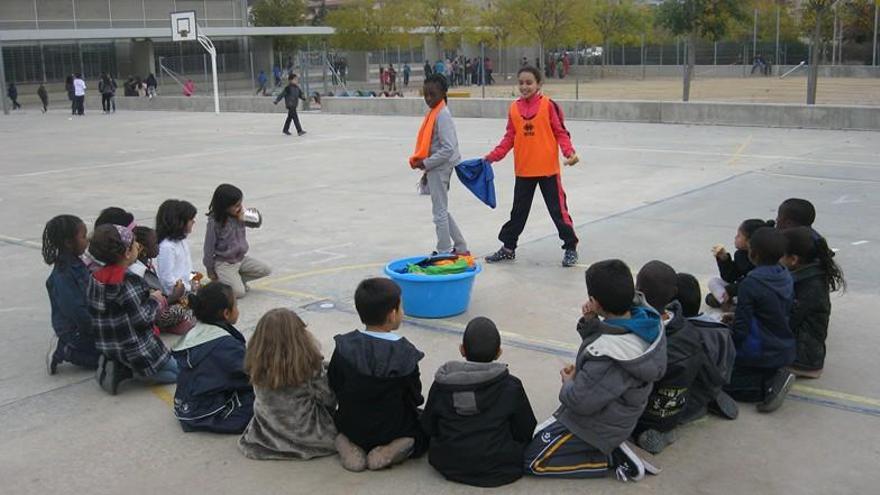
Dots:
(184, 28)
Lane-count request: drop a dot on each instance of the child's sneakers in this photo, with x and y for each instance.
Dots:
(502, 254)
(388, 455)
(778, 389)
(570, 258)
(724, 406)
(110, 374)
(626, 464)
(805, 372)
(655, 441)
(53, 356)
(351, 456)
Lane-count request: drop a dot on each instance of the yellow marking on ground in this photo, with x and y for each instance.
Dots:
(272, 281)
(163, 392)
(738, 153)
(833, 394)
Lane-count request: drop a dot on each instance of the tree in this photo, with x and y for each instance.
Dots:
(443, 17)
(549, 22)
(279, 13)
(815, 13)
(372, 24)
(615, 21)
(696, 19)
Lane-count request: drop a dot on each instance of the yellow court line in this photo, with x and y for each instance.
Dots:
(833, 394)
(324, 271)
(163, 392)
(738, 153)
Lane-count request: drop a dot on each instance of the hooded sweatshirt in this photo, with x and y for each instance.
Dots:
(614, 373)
(122, 318)
(213, 391)
(761, 330)
(810, 315)
(670, 394)
(719, 355)
(479, 419)
(379, 389)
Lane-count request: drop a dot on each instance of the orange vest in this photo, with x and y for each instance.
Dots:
(535, 150)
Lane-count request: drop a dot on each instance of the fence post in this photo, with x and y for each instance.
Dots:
(253, 77)
(643, 57)
(715, 53)
(776, 58)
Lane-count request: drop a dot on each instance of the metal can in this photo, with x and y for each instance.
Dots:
(253, 218)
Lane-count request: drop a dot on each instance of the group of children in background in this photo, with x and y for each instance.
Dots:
(649, 360)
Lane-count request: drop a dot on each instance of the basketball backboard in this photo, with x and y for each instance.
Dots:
(183, 26)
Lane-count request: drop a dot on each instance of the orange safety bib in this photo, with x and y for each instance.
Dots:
(535, 150)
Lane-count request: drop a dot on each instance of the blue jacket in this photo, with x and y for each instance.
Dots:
(67, 296)
(213, 390)
(478, 176)
(761, 331)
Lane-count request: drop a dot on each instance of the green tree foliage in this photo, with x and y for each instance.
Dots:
(445, 17)
(742, 29)
(280, 13)
(616, 21)
(550, 23)
(372, 24)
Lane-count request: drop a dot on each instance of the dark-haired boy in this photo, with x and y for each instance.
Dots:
(705, 393)
(477, 414)
(375, 376)
(795, 212)
(764, 342)
(655, 430)
(605, 391)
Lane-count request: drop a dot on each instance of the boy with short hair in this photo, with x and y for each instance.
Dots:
(605, 391)
(795, 212)
(655, 429)
(765, 344)
(477, 414)
(375, 376)
(291, 94)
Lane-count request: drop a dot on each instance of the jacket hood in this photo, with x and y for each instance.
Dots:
(204, 333)
(378, 357)
(643, 321)
(645, 361)
(776, 278)
(474, 386)
(677, 321)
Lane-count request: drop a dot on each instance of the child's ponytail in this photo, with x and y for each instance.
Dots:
(57, 233)
(833, 273)
(810, 247)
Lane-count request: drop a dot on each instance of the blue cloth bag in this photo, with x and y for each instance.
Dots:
(477, 175)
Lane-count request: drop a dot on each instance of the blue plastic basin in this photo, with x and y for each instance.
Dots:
(432, 296)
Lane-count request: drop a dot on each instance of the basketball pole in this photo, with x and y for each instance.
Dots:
(208, 45)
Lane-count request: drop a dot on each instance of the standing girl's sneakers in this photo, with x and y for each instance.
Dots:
(64, 241)
(213, 392)
(226, 243)
(437, 155)
(294, 409)
(536, 131)
(123, 310)
(174, 222)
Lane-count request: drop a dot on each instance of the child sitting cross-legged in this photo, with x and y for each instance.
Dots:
(603, 394)
(293, 413)
(477, 414)
(375, 376)
(213, 391)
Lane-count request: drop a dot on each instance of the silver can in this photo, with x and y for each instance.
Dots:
(253, 218)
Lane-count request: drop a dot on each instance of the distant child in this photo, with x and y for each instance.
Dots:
(293, 413)
(226, 246)
(291, 94)
(213, 391)
(12, 93)
(815, 276)
(795, 212)
(44, 97)
(64, 241)
(656, 429)
(603, 394)
(123, 310)
(174, 222)
(437, 155)
(733, 269)
(375, 376)
(706, 394)
(189, 88)
(145, 267)
(764, 342)
(536, 131)
(112, 215)
(477, 414)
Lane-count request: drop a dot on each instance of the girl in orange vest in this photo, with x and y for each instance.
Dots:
(536, 132)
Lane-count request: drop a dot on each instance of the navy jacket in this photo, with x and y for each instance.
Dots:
(477, 175)
(761, 329)
(213, 391)
(67, 296)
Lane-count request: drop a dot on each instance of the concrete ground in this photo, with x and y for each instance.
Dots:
(341, 201)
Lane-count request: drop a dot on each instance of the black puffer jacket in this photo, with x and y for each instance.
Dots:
(810, 315)
(291, 94)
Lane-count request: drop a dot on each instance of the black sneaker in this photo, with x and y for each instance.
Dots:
(286, 133)
(570, 258)
(655, 441)
(502, 254)
(779, 387)
(110, 374)
(301, 133)
(626, 464)
(724, 406)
